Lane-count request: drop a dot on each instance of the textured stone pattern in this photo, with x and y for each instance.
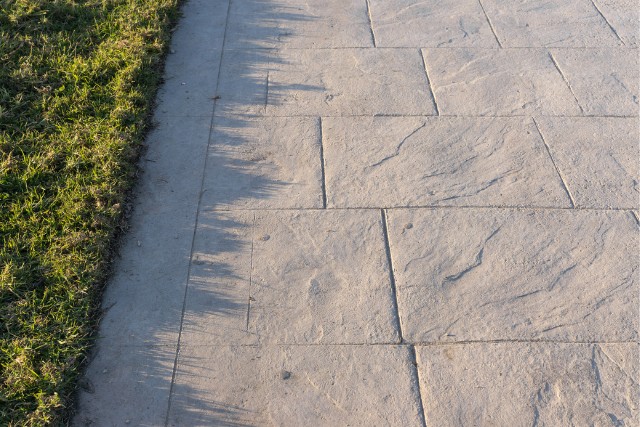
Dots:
(257, 162)
(598, 157)
(296, 385)
(383, 212)
(525, 384)
(557, 23)
(515, 275)
(454, 160)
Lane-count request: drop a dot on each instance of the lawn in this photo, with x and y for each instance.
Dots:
(77, 82)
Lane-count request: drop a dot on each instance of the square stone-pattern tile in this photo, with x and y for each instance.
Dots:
(498, 82)
(290, 277)
(298, 24)
(348, 82)
(598, 158)
(605, 81)
(264, 163)
(494, 274)
(529, 384)
(298, 385)
(321, 277)
(623, 17)
(558, 23)
(415, 23)
(125, 385)
(419, 161)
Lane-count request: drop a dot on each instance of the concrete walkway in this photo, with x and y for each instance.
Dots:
(383, 212)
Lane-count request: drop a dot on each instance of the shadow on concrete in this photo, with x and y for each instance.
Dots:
(253, 29)
(219, 285)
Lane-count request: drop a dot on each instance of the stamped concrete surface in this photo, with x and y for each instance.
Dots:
(296, 385)
(558, 23)
(498, 82)
(598, 157)
(454, 160)
(516, 274)
(320, 82)
(368, 212)
(447, 23)
(604, 81)
(525, 384)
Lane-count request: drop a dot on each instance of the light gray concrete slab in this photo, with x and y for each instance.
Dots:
(525, 384)
(129, 378)
(264, 163)
(557, 23)
(201, 25)
(498, 82)
(144, 297)
(216, 305)
(191, 67)
(189, 85)
(243, 82)
(605, 81)
(415, 23)
(623, 15)
(348, 82)
(598, 158)
(420, 161)
(485, 274)
(329, 284)
(298, 24)
(296, 385)
(126, 385)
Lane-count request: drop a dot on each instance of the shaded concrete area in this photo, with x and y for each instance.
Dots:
(369, 212)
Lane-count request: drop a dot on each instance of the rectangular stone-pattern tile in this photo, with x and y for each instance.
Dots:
(605, 81)
(263, 163)
(598, 158)
(348, 82)
(216, 305)
(493, 274)
(418, 161)
(293, 386)
(498, 82)
(146, 291)
(557, 23)
(291, 277)
(623, 17)
(298, 24)
(530, 384)
(321, 277)
(243, 81)
(414, 23)
(125, 385)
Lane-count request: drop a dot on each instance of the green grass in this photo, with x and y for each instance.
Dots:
(77, 79)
